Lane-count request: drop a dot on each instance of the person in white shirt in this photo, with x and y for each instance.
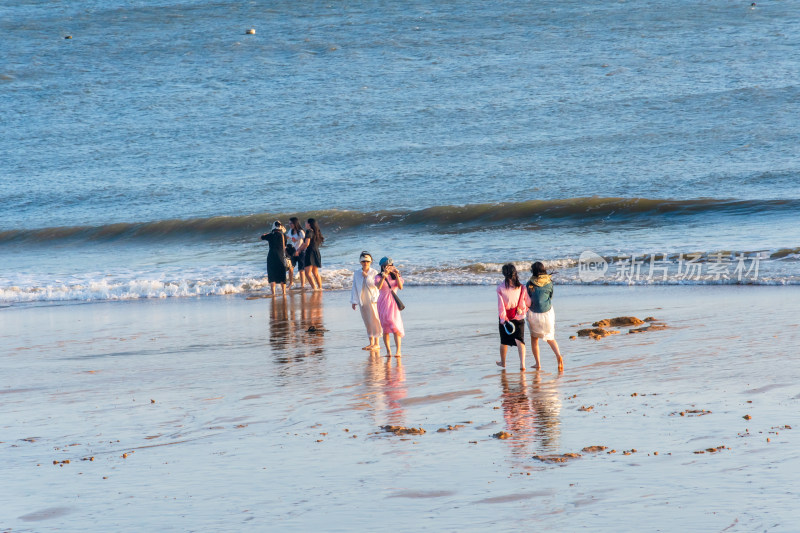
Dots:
(365, 295)
(295, 236)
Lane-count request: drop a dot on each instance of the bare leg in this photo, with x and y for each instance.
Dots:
(370, 345)
(502, 361)
(272, 287)
(521, 350)
(535, 350)
(554, 345)
(373, 343)
(317, 277)
(302, 279)
(283, 289)
(310, 277)
(397, 341)
(388, 346)
(290, 271)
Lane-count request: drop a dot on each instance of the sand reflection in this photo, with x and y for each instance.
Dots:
(296, 328)
(546, 407)
(385, 381)
(531, 412)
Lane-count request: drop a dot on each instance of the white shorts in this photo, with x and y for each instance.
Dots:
(542, 325)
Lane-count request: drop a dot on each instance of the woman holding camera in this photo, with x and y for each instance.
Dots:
(389, 281)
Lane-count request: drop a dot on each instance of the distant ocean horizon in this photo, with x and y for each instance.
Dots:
(146, 148)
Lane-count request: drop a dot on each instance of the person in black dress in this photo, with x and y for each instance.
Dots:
(276, 258)
(310, 247)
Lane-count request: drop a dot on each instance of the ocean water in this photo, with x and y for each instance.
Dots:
(144, 156)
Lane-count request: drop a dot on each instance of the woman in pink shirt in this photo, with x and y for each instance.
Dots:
(512, 304)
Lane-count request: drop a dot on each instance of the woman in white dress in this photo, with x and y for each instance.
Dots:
(541, 316)
(365, 295)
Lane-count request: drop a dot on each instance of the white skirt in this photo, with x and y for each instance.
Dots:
(369, 313)
(542, 325)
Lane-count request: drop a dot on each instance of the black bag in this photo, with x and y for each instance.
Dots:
(398, 301)
(400, 304)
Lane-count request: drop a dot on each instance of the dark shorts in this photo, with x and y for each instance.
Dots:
(299, 261)
(518, 335)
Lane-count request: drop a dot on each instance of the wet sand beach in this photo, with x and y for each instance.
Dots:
(225, 413)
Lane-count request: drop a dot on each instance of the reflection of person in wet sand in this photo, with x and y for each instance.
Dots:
(311, 310)
(517, 408)
(281, 334)
(531, 413)
(292, 336)
(364, 294)
(546, 407)
(311, 327)
(389, 383)
(541, 316)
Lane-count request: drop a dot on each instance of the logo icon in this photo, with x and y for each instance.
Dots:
(591, 266)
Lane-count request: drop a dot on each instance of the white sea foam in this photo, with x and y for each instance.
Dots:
(232, 281)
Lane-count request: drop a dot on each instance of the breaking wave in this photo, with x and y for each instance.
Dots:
(571, 210)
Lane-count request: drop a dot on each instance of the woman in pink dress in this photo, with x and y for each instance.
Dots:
(389, 281)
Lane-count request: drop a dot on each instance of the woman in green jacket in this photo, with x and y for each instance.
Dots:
(541, 317)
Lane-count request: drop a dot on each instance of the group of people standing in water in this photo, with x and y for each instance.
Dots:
(295, 247)
(375, 293)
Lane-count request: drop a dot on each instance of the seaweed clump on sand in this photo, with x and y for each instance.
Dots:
(402, 430)
(450, 428)
(713, 450)
(691, 412)
(594, 449)
(596, 333)
(562, 458)
(620, 321)
(599, 328)
(651, 327)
